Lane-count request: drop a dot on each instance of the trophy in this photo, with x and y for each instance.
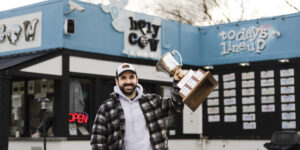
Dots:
(195, 86)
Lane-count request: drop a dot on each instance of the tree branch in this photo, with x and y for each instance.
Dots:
(227, 18)
(291, 5)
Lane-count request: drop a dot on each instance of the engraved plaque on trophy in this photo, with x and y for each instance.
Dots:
(195, 86)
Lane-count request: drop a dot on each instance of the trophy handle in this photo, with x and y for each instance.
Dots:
(175, 51)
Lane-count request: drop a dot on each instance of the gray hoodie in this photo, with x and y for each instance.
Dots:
(136, 132)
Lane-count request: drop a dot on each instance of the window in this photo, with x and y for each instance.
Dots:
(17, 109)
(80, 95)
(26, 115)
(170, 122)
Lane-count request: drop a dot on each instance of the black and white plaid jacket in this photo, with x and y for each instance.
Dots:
(109, 125)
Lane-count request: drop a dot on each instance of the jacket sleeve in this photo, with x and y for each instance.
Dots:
(174, 104)
(99, 131)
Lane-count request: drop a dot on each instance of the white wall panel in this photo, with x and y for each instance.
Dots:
(51, 66)
(108, 68)
(173, 144)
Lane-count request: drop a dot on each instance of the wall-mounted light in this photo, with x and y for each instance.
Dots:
(69, 26)
(209, 67)
(283, 60)
(73, 6)
(244, 64)
(276, 33)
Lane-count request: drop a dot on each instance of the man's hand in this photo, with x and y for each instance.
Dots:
(179, 74)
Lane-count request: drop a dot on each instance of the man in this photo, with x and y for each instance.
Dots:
(132, 120)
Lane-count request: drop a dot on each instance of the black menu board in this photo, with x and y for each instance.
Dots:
(252, 102)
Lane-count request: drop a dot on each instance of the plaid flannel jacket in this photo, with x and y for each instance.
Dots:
(109, 125)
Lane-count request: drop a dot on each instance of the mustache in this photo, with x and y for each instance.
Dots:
(128, 85)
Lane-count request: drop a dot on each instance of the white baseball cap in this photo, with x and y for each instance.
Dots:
(125, 67)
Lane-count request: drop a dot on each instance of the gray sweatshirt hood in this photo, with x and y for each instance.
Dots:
(139, 90)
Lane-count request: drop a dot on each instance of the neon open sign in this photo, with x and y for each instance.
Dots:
(79, 117)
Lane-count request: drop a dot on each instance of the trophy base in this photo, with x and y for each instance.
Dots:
(195, 96)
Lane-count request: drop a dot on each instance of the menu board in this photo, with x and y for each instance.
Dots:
(213, 104)
(287, 97)
(248, 100)
(252, 103)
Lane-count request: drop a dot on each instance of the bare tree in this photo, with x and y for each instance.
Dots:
(211, 12)
(196, 12)
(294, 7)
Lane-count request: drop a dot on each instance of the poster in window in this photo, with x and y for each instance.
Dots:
(213, 118)
(44, 86)
(288, 124)
(50, 86)
(267, 82)
(249, 125)
(230, 118)
(287, 98)
(16, 106)
(213, 110)
(229, 77)
(229, 93)
(18, 87)
(229, 85)
(267, 99)
(247, 75)
(288, 107)
(287, 72)
(287, 90)
(21, 87)
(248, 92)
(288, 116)
(249, 117)
(230, 109)
(16, 100)
(267, 74)
(268, 108)
(248, 83)
(267, 91)
(248, 100)
(30, 87)
(287, 81)
(72, 129)
(230, 101)
(213, 102)
(15, 87)
(248, 108)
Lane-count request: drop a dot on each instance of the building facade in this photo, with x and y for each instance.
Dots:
(67, 52)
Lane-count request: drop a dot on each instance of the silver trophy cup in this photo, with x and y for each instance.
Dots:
(167, 63)
(195, 86)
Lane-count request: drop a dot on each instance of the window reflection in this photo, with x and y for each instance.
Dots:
(166, 92)
(26, 117)
(17, 114)
(79, 107)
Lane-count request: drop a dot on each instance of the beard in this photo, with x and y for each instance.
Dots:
(128, 91)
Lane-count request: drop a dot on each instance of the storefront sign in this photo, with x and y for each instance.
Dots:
(141, 38)
(250, 39)
(79, 117)
(146, 38)
(141, 32)
(20, 32)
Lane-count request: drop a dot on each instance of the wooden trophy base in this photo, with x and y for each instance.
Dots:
(196, 88)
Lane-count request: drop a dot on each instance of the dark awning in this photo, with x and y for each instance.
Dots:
(10, 61)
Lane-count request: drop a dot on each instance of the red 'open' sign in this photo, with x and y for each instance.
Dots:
(80, 117)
